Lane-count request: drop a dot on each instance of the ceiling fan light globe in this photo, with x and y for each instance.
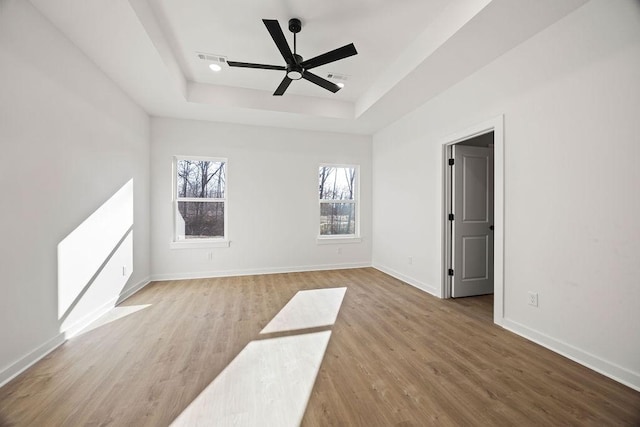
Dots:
(294, 75)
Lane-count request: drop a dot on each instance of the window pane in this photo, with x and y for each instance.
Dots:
(202, 220)
(201, 178)
(337, 183)
(337, 218)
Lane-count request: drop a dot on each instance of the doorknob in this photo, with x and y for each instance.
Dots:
(491, 227)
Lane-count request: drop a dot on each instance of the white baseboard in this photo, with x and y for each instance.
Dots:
(73, 330)
(606, 368)
(25, 362)
(409, 280)
(256, 271)
(133, 289)
(34, 356)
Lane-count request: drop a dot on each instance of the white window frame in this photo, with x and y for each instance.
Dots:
(213, 242)
(340, 238)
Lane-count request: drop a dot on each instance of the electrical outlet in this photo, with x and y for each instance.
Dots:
(533, 299)
(339, 251)
(410, 260)
(210, 256)
(124, 270)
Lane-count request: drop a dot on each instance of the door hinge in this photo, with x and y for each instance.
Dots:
(451, 272)
(450, 217)
(451, 162)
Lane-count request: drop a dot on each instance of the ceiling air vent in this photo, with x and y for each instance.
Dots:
(210, 57)
(336, 76)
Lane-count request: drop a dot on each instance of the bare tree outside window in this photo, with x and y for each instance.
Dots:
(201, 198)
(337, 194)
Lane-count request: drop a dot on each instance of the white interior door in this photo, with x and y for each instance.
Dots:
(472, 228)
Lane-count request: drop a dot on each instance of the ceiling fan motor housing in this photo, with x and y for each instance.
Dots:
(295, 25)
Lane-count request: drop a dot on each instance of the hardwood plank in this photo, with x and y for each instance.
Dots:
(396, 357)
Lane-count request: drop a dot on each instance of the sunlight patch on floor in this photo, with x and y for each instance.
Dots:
(308, 309)
(114, 314)
(268, 384)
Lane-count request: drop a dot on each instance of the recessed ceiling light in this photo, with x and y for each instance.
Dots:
(340, 85)
(215, 67)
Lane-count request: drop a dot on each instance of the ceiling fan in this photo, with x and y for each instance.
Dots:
(296, 67)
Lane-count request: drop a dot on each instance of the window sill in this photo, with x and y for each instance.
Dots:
(334, 240)
(185, 244)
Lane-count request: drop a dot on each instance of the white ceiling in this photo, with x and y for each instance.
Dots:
(235, 30)
(408, 52)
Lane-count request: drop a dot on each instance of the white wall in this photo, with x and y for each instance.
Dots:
(70, 139)
(571, 102)
(272, 194)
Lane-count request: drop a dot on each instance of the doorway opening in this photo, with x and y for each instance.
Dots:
(473, 215)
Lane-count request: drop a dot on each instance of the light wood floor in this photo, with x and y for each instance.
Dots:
(396, 357)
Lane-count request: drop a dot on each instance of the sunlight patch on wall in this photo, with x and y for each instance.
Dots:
(102, 292)
(308, 309)
(96, 259)
(269, 383)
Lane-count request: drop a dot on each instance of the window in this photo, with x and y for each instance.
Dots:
(200, 200)
(338, 191)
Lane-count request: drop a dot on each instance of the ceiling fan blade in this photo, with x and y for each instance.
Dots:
(320, 81)
(284, 84)
(260, 66)
(334, 55)
(278, 37)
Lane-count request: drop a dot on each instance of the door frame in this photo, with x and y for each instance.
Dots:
(495, 125)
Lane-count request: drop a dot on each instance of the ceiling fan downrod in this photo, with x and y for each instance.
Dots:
(295, 70)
